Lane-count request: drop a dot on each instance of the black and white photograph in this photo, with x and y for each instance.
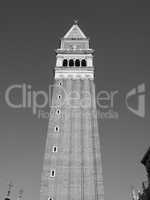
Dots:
(75, 100)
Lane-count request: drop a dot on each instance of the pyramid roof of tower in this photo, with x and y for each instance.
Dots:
(75, 33)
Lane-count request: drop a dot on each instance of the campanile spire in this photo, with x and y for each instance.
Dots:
(74, 57)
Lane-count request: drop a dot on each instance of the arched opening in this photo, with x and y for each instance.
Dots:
(83, 63)
(52, 173)
(65, 63)
(77, 63)
(71, 63)
(56, 129)
(58, 111)
(54, 149)
(59, 96)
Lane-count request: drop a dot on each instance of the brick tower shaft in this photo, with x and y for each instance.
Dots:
(72, 167)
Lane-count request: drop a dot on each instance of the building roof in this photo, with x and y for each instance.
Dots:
(75, 33)
(146, 157)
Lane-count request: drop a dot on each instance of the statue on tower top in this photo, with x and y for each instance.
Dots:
(76, 21)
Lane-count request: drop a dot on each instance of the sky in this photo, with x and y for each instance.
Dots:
(119, 32)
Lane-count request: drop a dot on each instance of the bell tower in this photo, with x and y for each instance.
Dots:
(72, 167)
(74, 58)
